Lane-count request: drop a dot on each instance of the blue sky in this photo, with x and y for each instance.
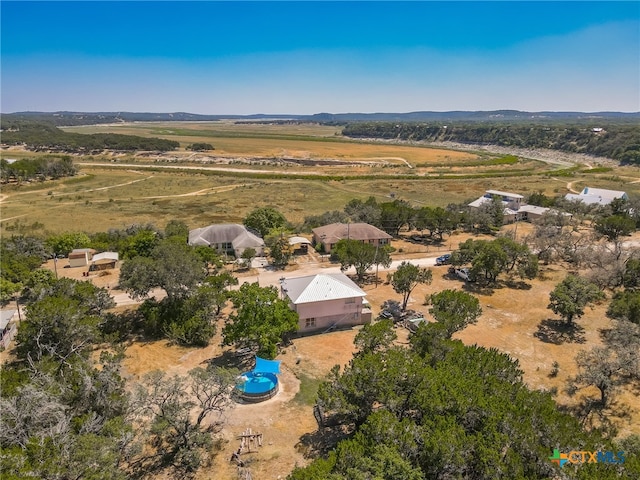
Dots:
(309, 57)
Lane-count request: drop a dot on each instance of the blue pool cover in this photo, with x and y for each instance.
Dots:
(257, 382)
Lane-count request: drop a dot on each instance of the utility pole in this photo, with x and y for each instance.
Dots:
(375, 260)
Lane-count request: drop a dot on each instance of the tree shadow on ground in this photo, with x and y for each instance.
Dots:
(479, 288)
(591, 414)
(231, 359)
(320, 442)
(517, 284)
(559, 332)
(368, 279)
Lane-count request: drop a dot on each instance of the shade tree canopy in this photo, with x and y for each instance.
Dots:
(362, 256)
(442, 413)
(407, 277)
(570, 297)
(454, 309)
(173, 267)
(265, 219)
(261, 320)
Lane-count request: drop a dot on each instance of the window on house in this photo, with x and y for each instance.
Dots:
(350, 300)
(310, 322)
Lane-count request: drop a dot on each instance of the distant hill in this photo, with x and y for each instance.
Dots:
(90, 118)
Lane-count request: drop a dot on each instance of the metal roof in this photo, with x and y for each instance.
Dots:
(232, 233)
(504, 194)
(298, 240)
(320, 287)
(354, 231)
(5, 317)
(105, 255)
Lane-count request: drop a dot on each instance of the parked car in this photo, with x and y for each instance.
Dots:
(444, 259)
(463, 273)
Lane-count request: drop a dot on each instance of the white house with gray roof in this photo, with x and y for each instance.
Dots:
(326, 301)
(514, 205)
(229, 238)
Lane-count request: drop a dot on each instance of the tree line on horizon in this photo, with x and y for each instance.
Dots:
(47, 137)
(615, 141)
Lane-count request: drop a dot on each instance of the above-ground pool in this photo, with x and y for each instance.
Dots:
(257, 386)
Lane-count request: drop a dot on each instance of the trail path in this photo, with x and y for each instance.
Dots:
(190, 167)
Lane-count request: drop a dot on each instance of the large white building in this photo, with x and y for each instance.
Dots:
(596, 196)
(514, 206)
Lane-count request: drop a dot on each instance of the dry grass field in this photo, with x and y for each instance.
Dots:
(113, 191)
(102, 198)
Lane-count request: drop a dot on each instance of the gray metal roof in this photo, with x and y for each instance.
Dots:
(5, 317)
(225, 233)
(298, 240)
(354, 231)
(321, 287)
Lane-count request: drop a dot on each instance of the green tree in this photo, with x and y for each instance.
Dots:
(59, 328)
(190, 321)
(261, 320)
(454, 309)
(437, 220)
(519, 257)
(489, 261)
(200, 147)
(138, 276)
(264, 220)
(625, 306)
(468, 410)
(362, 256)
(570, 297)
(395, 215)
(279, 249)
(368, 211)
(615, 226)
(63, 243)
(631, 276)
(407, 277)
(220, 283)
(175, 268)
(141, 243)
(177, 229)
(247, 256)
(375, 336)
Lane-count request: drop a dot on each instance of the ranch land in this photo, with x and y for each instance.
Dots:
(304, 170)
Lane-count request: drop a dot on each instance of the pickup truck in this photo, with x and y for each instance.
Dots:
(444, 259)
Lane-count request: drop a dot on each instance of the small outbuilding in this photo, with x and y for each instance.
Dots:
(7, 328)
(80, 257)
(104, 261)
(300, 244)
